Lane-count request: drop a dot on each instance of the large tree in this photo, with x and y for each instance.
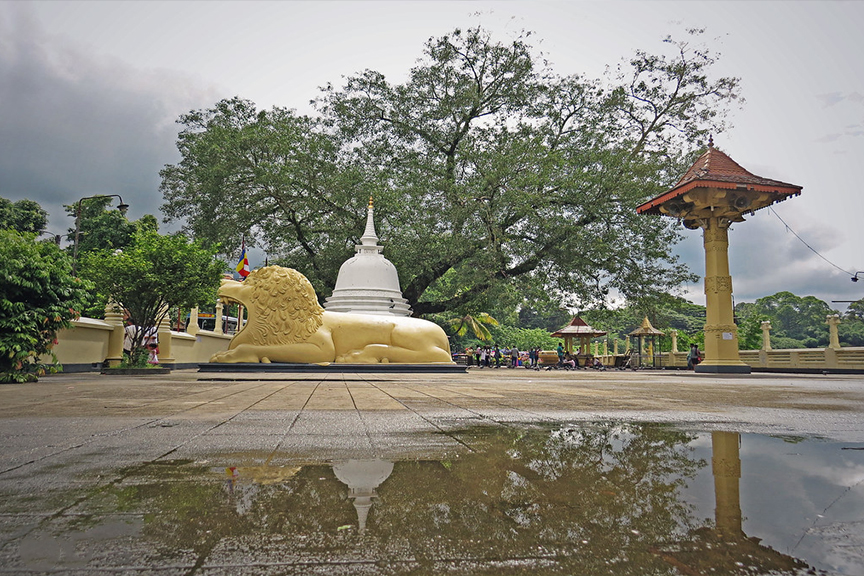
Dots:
(490, 172)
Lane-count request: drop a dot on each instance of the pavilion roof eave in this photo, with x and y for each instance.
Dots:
(782, 192)
(646, 329)
(563, 333)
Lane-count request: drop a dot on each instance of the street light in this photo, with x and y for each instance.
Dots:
(122, 207)
(55, 237)
(855, 277)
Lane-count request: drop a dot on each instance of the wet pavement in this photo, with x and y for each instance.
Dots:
(489, 472)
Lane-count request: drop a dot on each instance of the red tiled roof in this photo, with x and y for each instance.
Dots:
(717, 170)
(716, 166)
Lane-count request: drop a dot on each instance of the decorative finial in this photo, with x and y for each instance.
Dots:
(370, 238)
(710, 142)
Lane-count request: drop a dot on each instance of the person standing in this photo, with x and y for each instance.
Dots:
(694, 357)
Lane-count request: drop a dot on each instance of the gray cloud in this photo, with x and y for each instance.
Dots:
(833, 98)
(73, 125)
(766, 258)
(830, 99)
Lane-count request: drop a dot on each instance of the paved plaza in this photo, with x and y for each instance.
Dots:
(89, 406)
(71, 439)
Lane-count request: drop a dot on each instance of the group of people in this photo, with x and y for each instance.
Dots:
(149, 340)
(495, 356)
(570, 361)
(512, 357)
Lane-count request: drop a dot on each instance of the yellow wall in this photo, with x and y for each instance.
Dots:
(85, 346)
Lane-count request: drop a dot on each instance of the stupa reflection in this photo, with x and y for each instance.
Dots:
(362, 478)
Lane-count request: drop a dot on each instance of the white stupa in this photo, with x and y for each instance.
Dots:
(368, 283)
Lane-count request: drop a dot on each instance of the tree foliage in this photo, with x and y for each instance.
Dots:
(38, 297)
(25, 216)
(488, 170)
(475, 324)
(666, 312)
(102, 228)
(153, 274)
(796, 321)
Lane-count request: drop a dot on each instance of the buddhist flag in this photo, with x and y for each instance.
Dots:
(243, 265)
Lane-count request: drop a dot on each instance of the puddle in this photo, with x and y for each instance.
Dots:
(590, 499)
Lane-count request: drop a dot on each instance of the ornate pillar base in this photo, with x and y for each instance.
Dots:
(723, 368)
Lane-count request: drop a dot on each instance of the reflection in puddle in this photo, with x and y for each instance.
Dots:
(601, 499)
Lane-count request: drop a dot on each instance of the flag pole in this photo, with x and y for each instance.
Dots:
(240, 306)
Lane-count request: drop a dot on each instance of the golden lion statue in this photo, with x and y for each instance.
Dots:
(286, 324)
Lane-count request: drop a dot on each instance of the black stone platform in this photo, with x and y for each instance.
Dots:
(216, 367)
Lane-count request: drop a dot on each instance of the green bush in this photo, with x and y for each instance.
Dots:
(38, 297)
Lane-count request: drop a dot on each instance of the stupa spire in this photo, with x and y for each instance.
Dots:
(369, 238)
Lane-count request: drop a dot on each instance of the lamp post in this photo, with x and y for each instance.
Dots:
(55, 237)
(122, 207)
(855, 277)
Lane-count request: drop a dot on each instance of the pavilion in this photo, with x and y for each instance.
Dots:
(578, 328)
(714, 193)
(646, 330)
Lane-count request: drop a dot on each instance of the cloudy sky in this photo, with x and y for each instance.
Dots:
(90, 91)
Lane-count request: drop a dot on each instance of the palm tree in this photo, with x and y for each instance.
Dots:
(475, 323)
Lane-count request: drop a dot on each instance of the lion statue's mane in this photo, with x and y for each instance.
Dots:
(297, 315)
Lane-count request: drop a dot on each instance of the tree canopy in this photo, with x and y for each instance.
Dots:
(22, 216)
(796, 321)
(152, 274)
(102, 228)
(492, 174)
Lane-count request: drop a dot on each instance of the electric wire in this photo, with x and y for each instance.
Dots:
(789, 229)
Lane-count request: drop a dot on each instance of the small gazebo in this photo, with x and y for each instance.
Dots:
(578, 328)
(646, 330)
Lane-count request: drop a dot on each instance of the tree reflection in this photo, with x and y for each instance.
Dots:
(594, 499)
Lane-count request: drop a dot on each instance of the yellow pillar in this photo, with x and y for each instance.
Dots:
(217, 329)
(615, 346)
(114, 316)
(721, 334)
(833, 335)
(674, 335)
(192, 325)
(726, 466)
(766, 335)
(163, 331)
